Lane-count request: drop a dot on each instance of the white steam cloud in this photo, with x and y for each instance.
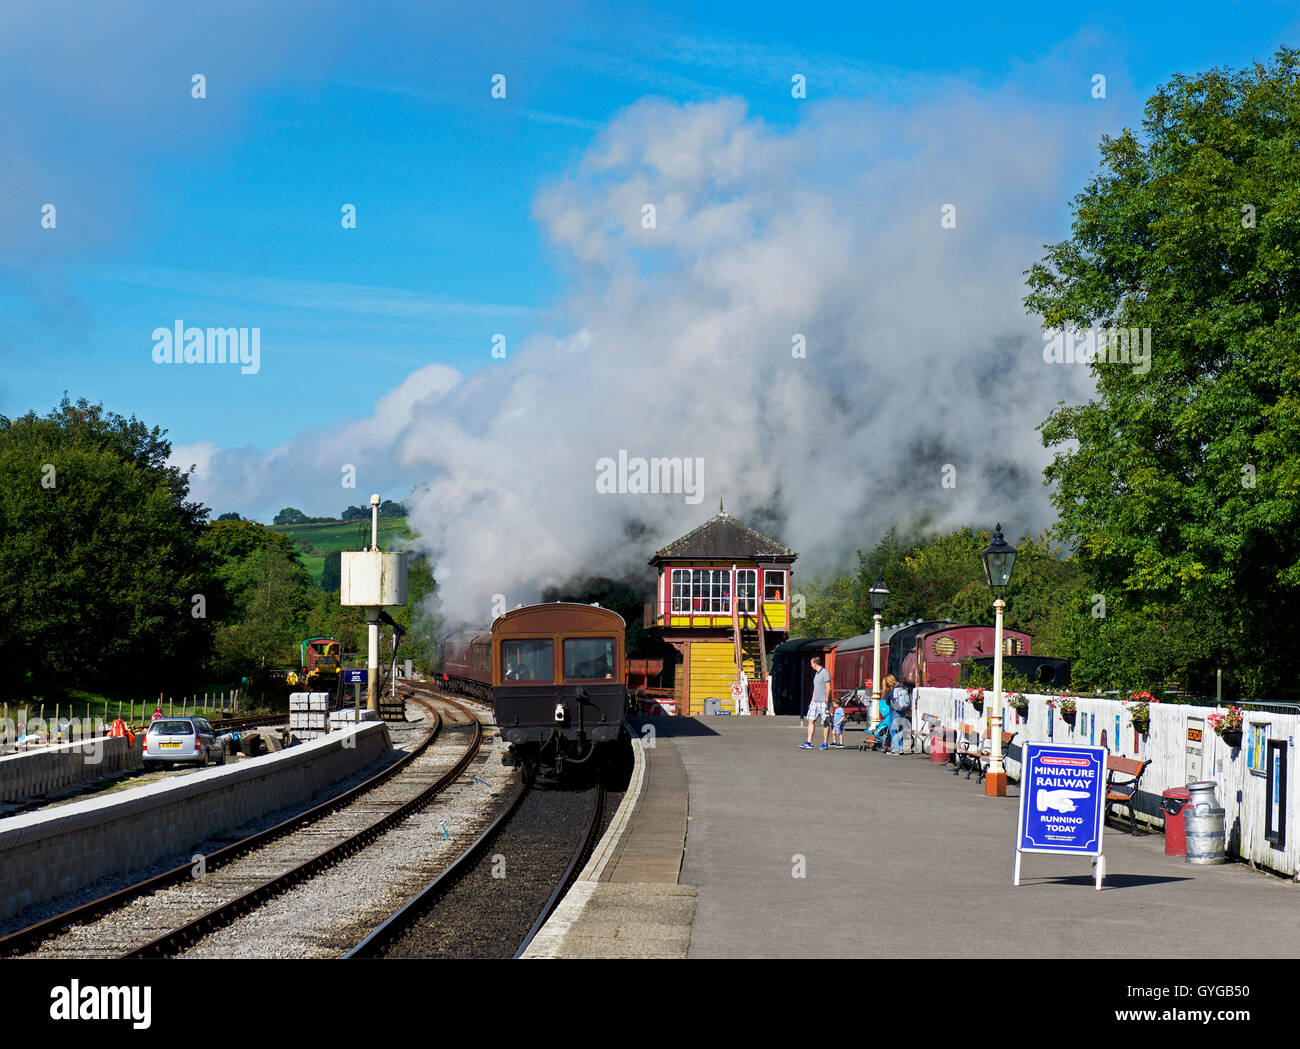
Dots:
(918, 350)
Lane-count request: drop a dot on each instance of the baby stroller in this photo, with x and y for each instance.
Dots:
(878, 738)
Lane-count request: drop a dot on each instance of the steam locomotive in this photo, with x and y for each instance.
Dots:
(555, 675)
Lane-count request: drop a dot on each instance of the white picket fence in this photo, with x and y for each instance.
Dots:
(1240, 788)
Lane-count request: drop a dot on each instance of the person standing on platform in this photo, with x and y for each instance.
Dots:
(900, 706)
(837, 725)
(817, 709)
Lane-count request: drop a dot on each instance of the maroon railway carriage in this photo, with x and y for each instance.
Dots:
(467, 664)
(936, 658)
(556, 676)
(852, 659)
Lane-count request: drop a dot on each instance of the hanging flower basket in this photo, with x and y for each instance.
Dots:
(1228, 725)
(976, 697)
(1066, 705)
(1139, 711)
(1020, 705)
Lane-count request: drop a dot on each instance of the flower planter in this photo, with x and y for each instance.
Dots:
(1232, 737)
(978, 704)
(1069, 716)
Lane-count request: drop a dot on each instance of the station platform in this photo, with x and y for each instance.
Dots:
(738, 844)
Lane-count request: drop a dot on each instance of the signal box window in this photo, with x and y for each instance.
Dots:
(589, 659)
(529, 660)
(707, 591)
(773, 586)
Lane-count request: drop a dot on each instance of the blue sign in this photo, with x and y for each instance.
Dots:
(355, 677)
(1061, 799)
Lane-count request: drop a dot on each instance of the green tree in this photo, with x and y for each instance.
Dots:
(289, 515)
(831, 609)
(331, 577)
(103, 583)
(272, 618)
(1180, 484)
(231, 546)
(327, 618)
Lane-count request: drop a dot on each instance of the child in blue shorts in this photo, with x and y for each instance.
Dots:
(837, 726)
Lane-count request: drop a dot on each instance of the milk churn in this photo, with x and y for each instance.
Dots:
(1203, 820)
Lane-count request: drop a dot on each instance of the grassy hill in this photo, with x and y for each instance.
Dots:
(314, 541)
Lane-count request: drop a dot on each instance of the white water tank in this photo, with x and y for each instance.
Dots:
(373, 577)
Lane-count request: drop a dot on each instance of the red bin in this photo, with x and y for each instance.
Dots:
(1173, 802)
(943, 741)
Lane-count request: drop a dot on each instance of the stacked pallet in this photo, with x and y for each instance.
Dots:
(308, 714)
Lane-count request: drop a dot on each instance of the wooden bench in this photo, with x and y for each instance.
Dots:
(966, 753)
(1121, 793)
(970, 754)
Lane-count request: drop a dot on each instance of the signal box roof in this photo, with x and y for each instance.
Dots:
(723, 538)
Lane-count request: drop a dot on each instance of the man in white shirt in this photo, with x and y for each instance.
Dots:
(818, 707)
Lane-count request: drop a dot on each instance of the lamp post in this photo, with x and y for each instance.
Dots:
(998, 558)
(879, 594)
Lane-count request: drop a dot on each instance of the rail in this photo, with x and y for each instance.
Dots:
(401, 919)
(23, 939)
(178, 939)
(584, 850)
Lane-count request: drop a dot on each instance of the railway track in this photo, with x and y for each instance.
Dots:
(492, 900)
(162, 915)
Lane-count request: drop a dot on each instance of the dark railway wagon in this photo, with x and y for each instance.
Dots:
(1048, 671)
(559, 681)
(792, 675)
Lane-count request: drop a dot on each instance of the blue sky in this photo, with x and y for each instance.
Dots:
(226, 211)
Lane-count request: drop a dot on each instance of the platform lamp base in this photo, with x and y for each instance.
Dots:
(995, 785)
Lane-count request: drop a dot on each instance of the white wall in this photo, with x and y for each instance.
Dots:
(1240, 790)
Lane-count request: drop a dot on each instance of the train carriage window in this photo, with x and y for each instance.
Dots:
(528, 661)
(589, 659)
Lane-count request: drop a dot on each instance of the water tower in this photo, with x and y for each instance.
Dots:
(373, 578)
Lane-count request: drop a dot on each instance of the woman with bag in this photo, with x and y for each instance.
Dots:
(900, 705)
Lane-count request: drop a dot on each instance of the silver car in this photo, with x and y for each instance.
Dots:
(183, 739)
